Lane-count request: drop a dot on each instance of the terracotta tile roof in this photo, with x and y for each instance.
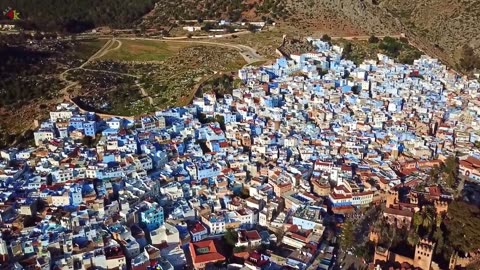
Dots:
(252, 235)
(434, 191)
(475, 162)
(204, 252)
(340, 196)
(466, 164)
(398, 212)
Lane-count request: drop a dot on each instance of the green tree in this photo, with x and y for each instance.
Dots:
(417, 220)
(221, 120)
(347, 51)
(326, 38)
(428, 217)
(439, 239)
(231, 237)
(413, 238)
(373, 39)
(450, 169)
(469, 60)
(434, 174)
(366, 251)
(208, 26)
(230, 29)
(390, 46)
(477, 144)
(462, 226)
(87, 141)
(347, 238)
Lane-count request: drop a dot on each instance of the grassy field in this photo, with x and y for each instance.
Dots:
(86, 48)
(144, 50)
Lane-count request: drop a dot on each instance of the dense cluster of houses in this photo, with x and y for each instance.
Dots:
(302, 136)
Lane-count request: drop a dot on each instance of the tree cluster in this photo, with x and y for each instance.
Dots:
(167, 11)
(219, 85)
(462, 226)
(373, 39)
(469, 60)
(276, 8)
(79, 15)
(29, 72)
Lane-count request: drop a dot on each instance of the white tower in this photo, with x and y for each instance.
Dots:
(3, 248)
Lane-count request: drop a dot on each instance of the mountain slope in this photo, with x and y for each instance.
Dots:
(78, 15)
(446, 25)
(440, 28)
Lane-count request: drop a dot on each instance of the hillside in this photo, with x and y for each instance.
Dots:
(78, 15)
(446, 29)
(446, 25)
(439, 27)
(167, 12)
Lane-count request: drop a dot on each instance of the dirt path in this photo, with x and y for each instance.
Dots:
(145, 94)
(102, 51)
(106, 48)
(112, 72)
(249, 54)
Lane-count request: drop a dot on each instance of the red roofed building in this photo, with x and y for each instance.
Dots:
(434, 192)
(297, 237)
(340, 196)
(470, 167)
(198, 232)
(248, 238)
(343, 210)
(203, 253)
(257, 260)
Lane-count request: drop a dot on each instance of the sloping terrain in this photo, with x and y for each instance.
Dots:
(446, 25)
(30, 83)
(78, 15)
(438, 27)
(166, 11)
(340, 17)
